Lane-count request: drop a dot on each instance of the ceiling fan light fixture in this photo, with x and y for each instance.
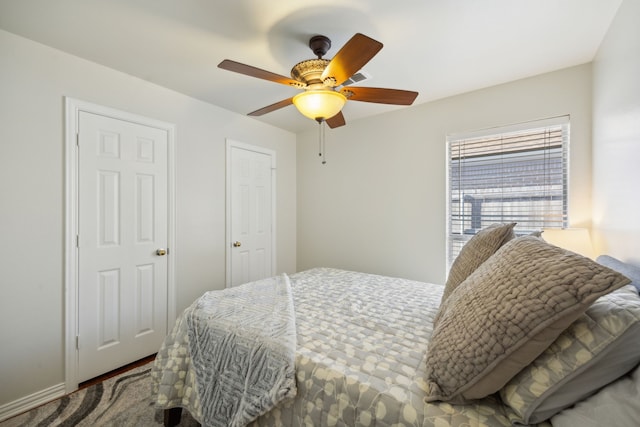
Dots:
(323, 79)
(319, 104)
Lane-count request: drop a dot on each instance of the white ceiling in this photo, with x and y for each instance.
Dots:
(436, 47)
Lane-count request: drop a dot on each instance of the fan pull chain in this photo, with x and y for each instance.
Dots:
(321, 142)
(319, 138)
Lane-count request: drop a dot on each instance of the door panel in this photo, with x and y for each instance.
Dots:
(122, 221)
(250, 215)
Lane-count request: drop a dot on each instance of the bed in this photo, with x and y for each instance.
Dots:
(361, 349)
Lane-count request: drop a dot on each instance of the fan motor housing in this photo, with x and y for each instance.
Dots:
(309, 71)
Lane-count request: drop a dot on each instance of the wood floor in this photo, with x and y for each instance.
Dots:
(115, 372)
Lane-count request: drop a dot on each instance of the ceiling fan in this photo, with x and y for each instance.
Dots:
(321, 79)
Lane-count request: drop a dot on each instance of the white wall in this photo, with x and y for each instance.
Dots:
(379, 204)
(34, 80)
(616, 137)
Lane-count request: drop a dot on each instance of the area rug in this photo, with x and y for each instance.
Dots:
(123, 400)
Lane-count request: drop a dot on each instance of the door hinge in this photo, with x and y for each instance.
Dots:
(77, 342)
(78, 139)
(77, 241)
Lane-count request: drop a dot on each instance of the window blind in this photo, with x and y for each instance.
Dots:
(515, 174)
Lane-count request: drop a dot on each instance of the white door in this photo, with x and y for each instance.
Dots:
(250, 215)
(122, 233)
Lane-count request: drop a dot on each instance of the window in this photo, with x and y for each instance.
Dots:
(512, 174)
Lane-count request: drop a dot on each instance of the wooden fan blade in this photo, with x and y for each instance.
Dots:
(273, 107)
(380, 95)
(351, 58)
(336, 121)
(248, 70)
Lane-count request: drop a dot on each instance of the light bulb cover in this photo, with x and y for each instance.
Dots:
(319, 104)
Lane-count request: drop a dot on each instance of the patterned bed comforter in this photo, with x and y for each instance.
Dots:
(360, 358)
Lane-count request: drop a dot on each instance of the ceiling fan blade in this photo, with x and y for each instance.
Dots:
(351, 58)
(380, 95)
(248, 70)
(336, 121)
(273, 107)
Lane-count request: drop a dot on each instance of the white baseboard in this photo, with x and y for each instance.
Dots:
(26, 403)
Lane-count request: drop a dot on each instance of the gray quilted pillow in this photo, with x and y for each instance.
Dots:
(506, 313)
(476, 251)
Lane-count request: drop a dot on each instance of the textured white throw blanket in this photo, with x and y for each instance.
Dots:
(242, 344)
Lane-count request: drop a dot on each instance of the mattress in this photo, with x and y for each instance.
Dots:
(360, 358)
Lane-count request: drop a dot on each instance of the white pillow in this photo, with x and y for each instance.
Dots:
(617, 405)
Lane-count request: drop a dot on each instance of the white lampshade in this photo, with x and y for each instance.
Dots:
(572, 239)
(319, 104)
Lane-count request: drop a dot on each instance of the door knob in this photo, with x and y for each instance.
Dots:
(161, 252)
(237, 244)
